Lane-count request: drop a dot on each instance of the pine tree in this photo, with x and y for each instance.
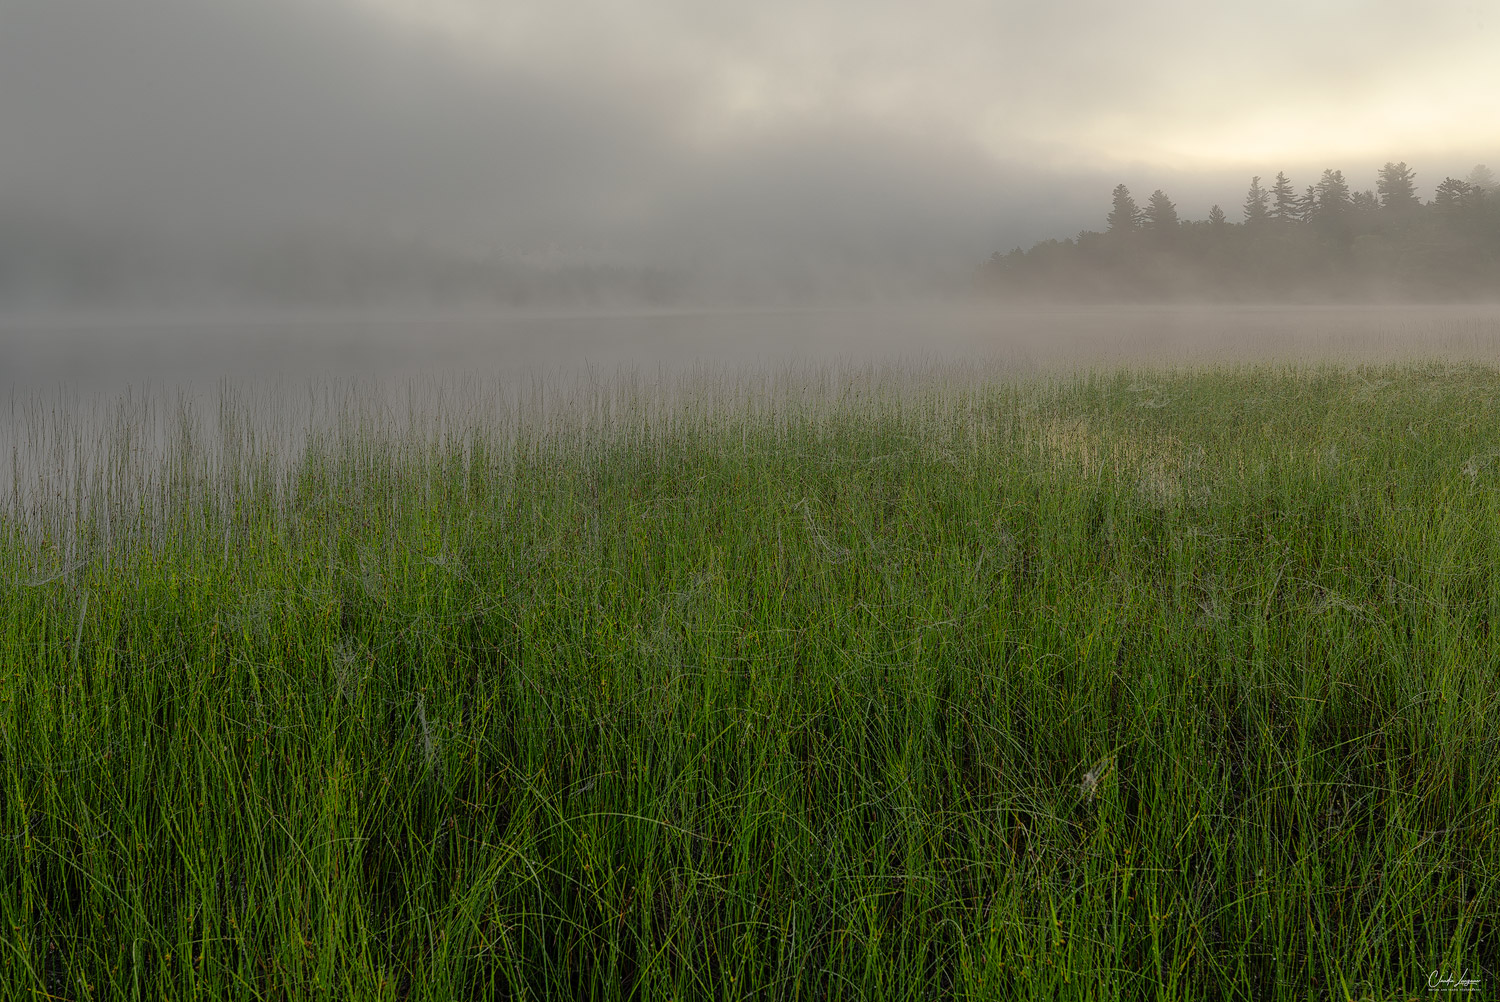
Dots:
(1284, 207)
(1332, 193)
(1216, 218)
(1307, 205)
(1257, 203)
(1397, 189)
(1364, 212)
(1160, 216)
(1453, 195)
(1484, 179)
(1126, 216)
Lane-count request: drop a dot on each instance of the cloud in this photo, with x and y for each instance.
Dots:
(1079, 80)
(198, 115)
(692, 133)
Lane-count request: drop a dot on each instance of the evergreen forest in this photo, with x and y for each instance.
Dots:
(1324, 242)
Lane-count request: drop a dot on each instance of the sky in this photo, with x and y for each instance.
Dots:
(842, 137)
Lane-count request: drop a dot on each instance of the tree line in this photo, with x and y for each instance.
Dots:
(1324, 242)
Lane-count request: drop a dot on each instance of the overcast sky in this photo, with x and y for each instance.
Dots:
(687, 130)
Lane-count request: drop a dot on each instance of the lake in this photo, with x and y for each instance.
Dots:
(68, 385)
(106, 355)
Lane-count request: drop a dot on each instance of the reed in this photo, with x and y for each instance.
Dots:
(797, 684)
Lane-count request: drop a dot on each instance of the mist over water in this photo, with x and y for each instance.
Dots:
(105, 356)
(495, 440)
(247, 389)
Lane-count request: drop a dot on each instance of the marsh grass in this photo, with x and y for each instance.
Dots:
(866, 684)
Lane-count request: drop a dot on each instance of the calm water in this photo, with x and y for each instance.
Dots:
(95, 356)
(90, 404)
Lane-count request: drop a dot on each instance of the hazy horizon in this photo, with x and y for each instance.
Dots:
(170, 151)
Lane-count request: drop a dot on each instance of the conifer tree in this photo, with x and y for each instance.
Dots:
(1397, 188)
(1160, 215)
(1453, 196)
(1216, 218)
(1284, 207)
(1257, 203)
(1307, 205)
(1484, 179)
(1332, 193)
(1125, 216)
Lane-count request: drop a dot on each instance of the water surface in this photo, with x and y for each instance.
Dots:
(105, 355)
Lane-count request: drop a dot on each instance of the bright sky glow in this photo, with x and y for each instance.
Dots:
(678, 130)
(1174, 83)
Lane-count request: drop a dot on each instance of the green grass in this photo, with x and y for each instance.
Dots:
(1135, 685)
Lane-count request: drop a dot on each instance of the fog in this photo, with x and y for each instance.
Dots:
(89, 400)
(194, 195)
(104, 357)
(174, 154)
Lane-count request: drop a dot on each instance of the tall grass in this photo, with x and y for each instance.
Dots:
(819, 685)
